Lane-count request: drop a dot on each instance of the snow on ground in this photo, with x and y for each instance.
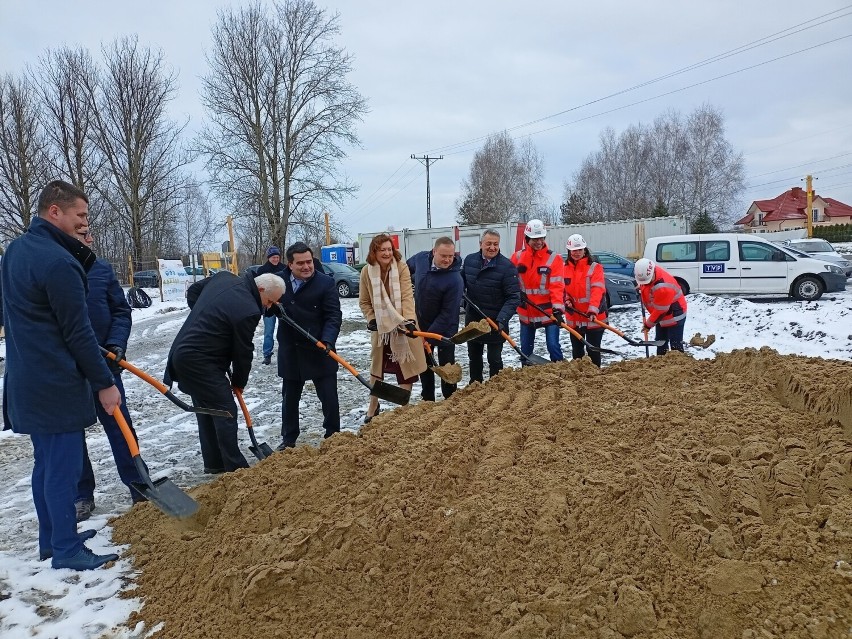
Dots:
(37, 601)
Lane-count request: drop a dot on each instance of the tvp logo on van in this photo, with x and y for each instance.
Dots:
(713, 268)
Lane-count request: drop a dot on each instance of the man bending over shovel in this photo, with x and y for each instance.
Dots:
(218, 336)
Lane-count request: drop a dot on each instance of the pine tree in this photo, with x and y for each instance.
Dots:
(703, 224)
(660, 210)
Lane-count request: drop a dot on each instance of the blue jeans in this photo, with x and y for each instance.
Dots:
(673, 336)
(58, 463)
(120, 452)
(551, 337)
(268, 335)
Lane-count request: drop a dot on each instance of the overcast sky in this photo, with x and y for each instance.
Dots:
(444, 72)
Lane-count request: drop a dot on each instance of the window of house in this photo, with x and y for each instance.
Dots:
(815, 215)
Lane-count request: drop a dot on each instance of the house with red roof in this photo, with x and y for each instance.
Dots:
(788, 211)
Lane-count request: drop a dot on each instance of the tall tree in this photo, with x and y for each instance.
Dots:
(505, 183)
(281, 111)
(684, 166)
(140, 145)
(196, 220)
(24, 155)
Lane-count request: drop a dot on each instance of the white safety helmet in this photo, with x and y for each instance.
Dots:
(644, 270)
(535, 228)
(575, 242)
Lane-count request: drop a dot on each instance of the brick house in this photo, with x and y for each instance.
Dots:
(787, 211)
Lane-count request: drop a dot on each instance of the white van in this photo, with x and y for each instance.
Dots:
(741, 263)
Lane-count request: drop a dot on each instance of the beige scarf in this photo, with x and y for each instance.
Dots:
(388, 309)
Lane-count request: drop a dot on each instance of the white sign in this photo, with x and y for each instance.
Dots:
(175, 280)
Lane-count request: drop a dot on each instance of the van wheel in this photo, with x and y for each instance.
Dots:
(684, 287)
(807, 288)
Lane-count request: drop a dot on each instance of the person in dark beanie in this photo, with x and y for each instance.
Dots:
(48, 331)
(272, 265)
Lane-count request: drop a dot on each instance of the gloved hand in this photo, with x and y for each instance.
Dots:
(501, 327)
(559, 315)
(523, 299)
(372, 326)
(522, 268)
(329, 346)
(647, 324)
(119, 355)
(592, 317)
(410, 325)
(277, 310)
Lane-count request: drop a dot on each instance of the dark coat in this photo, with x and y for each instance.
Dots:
(269, 267)
(316, 308)
(494, 289)
(53, 361)
(219, 332)
(109, 311)
(437, 294)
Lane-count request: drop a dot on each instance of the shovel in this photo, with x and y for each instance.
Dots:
(165, 390)
(588, 344)
(621, 334)
(644, 329)
(380, 389)
(450, 373)
(163, 493)
(261, 451)
(469, 332)
(532, 359)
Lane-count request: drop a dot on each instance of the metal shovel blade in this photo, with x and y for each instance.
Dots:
(534, 360)
(390, 393)
(261, 451)
(168, 497)
(471, 331)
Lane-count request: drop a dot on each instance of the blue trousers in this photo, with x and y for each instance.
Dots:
(268, 335)
(58, 463)
(551, 338)
(120, 452)
(673, 336)
(291, 391)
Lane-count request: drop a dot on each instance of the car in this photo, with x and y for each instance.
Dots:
(346, 278)
(822, 249)
(620, 289)
(146, 279)
(615, 263)
(198, 270)
(253, 268)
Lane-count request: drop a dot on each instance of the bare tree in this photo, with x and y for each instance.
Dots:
(683, 166)
(505, 183)
(139, 143)
(309, 227)
(281, 111)
(197, 221)
(24, 155)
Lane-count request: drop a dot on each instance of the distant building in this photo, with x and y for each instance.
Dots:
(788, 211)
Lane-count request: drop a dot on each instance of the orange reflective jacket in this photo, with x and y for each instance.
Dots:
(585, 290)
(540, 277)
(664, 299)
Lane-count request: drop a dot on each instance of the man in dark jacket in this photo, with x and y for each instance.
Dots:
(110, 316)
(272, 265)
(311, 301)
(491, 282)
(53, 365)
(438, 288)
(217, 336)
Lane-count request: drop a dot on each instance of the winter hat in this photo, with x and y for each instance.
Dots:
(273, 250)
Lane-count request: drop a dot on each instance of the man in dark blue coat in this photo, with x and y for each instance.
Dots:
(53, 365)
(491, 282)
(438, 289)
(110, 316)
(215, 338)
(272, 265)
(311, 301)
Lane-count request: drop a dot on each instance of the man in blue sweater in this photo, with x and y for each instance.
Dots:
(438, 288)
(110, 316)
(49, 334)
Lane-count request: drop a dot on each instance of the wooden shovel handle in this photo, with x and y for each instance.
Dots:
(136, 371)
(239, 395)
(125, 431)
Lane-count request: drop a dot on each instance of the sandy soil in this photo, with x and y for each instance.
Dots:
(658, 498)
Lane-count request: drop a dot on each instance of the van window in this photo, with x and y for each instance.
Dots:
(716, 250)
(760, 252)
(677, 252)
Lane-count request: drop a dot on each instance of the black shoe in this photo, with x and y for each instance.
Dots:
(214, 471)
(369, 418)
(284, 446)
(47, 553)
(267, 359)
(84, 509)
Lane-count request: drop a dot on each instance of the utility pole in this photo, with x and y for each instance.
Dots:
(809, 216)
(327, 230)
(425, 159)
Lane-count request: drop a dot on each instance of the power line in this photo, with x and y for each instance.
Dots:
(797, 140)
(798, 166)
(426, 160)
(366, 201)
(392, 196)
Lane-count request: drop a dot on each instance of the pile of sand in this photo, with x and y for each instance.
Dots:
(658, 498)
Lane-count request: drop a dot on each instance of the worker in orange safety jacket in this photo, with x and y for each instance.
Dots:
(585, 291)
(666, 304)
(540, 277)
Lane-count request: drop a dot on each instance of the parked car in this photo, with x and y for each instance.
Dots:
(146, 279)
(620, 289)
(822, 249)
(345, 277)
(198, 270)
(615, 263)
(742, 263)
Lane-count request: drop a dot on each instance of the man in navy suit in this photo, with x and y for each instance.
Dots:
(311, 301)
